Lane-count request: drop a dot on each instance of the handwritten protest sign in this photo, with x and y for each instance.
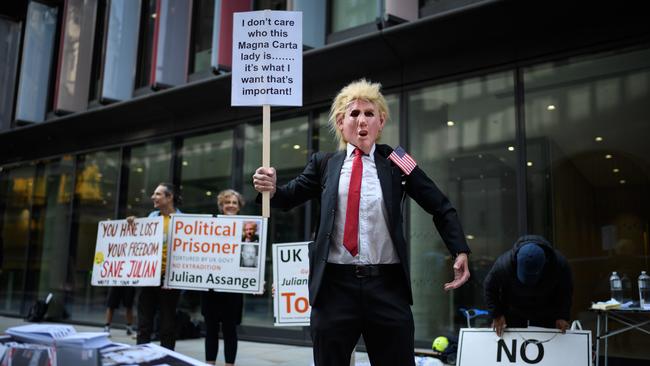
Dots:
(523, 347)
(267, 58)
(290, 276)
(224, 253)
(128, 255)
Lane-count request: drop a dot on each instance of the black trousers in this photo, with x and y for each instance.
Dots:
(373, 304)
(229, 329)
(151, 300)
(225, 309)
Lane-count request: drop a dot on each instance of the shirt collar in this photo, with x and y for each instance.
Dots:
(350, 150)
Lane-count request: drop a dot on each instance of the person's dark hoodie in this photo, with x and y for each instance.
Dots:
(537, 305)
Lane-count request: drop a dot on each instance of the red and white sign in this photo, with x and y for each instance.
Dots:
(224, 253)
(128, 255)
(290, 276)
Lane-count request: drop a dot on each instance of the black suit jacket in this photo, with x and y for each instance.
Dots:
(312, 185)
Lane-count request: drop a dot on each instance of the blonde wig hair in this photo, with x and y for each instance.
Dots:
(361, 89)
(221, 198)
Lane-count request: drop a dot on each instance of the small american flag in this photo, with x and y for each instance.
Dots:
(403, 160)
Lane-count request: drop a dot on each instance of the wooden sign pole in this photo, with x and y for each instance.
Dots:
(266, 155)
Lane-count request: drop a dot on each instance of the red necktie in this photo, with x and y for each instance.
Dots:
(351, 231)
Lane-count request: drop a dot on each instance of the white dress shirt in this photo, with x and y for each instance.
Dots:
(375, 244)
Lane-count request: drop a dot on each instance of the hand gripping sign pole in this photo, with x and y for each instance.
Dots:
(267, 68)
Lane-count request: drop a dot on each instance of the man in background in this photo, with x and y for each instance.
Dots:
(529, 285)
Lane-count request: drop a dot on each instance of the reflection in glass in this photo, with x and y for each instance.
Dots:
(222, 35)
(348, 14)
(589, 173)
(148, 166)
(95, 200)
(470, 162)
(16, 196)
(172, 43)
(9, 46)
(146, 41)
(314, 13)
(288, 156)
(121, 50)
(73, 84)
(326, 137)
(202, 34)
(36, 64)
(49, 269)
(206, 169)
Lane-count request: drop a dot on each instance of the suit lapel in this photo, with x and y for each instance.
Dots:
(384, 173)
(333, 173)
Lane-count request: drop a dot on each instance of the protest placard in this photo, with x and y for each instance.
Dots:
(267, 58)
(224, 253)
(267, 68)
(523, 347)
(128, 255)
(290, 276)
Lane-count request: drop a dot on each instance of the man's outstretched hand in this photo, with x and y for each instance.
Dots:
(461, 273)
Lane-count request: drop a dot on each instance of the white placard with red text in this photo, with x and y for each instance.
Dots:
(128, 255)
(217, 253)
(523, 347)
(290, 276)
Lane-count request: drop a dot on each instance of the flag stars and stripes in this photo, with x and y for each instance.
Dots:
(403, 160)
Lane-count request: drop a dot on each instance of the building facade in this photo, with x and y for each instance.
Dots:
(532, 116)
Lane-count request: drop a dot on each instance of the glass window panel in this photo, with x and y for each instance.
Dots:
(326, 138)
(148, 166)
(98, 49)
(222, 35)
(206, 169)
(48, 253)
(172, 43)
(288, 155)
(390, 134)
(351, 13)
(16, 195)
(459, 134)
(589, 175)
(270, 4)
(145, 50)
(94, 193)
(314, 13)
(429, 7)
(121, 50)
(9, 45)
(202, 29)
(73, 84)
(36, 64)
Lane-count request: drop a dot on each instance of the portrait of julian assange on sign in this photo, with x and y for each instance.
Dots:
(128, 255)
(206, 253)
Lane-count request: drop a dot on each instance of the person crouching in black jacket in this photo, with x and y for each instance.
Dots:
(529, 285)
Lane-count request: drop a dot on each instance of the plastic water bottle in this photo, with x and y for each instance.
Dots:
(644, 290)
(616, 286)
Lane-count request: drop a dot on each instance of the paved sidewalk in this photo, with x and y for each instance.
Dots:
(248, 353)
